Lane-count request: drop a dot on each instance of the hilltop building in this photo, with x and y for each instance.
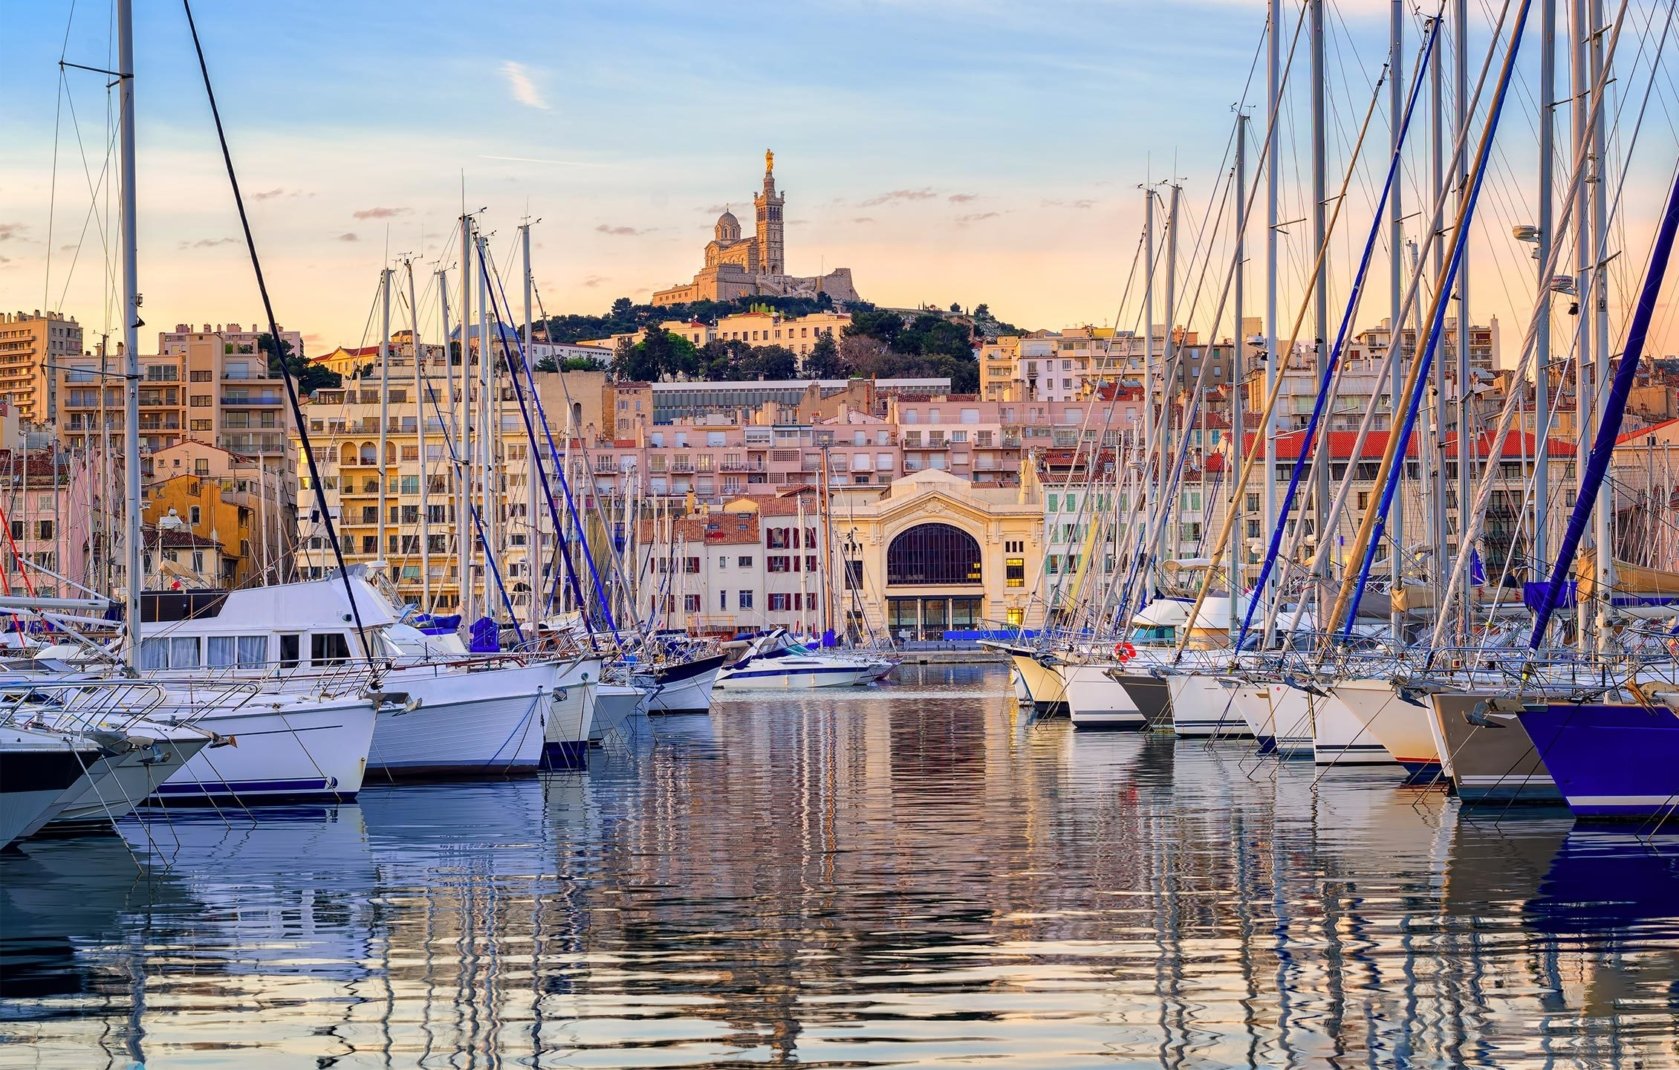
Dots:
(737, 266)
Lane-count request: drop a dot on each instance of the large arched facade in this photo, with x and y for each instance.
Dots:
(934, 554)
(935, 576)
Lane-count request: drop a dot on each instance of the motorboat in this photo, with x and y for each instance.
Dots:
(774, 662)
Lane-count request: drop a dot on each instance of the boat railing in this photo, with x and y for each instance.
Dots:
(87, 704)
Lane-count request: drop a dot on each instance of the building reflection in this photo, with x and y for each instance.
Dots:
(859, 878)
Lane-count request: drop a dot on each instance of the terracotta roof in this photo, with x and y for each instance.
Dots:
(1516, 445)
(1628, 436)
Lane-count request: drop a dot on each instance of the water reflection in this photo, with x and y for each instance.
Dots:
(895, 876)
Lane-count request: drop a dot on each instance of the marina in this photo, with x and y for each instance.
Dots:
(1282, 672)
(911, 874)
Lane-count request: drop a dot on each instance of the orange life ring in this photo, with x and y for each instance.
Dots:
(1124, 651)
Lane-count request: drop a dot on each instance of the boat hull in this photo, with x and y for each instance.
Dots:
(33, 780)
(1400, 726)
(1043, 683)
(1493, 765)
(120, 782)
(565, 738)
(614, 705)
(1204, 706)
(1341, 733)
(1253, 703)
(483, 721)
(682, 688)
(284, 750)
(1291, 721)
(1096, 700)
(1151, 695)
(1614, 761)
(794, 674)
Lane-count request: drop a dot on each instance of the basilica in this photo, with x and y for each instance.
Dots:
(755, 266)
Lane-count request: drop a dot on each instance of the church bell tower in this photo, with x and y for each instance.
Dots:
(771, 250)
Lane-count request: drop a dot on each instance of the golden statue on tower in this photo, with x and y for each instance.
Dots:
(769, 160)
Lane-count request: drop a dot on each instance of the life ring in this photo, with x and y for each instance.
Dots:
(1124, 651)
(1673, 646)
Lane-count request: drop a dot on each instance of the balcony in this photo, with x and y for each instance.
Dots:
(240, 397)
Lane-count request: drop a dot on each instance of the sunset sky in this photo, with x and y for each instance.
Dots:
(944, 150)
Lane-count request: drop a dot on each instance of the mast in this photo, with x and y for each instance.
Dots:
(130, 240)
(489, 488)
(1148, 360)
(384, 402)
(1273, 82)
(1434, 470)
(420, 437)
(1466, 450)
(1583, 392)
(463, 431)
(1396, 283)
(1323, 538)
(533, 521)
(448, 432)
(1542, 333)
(1599, 310)
(1237, 347)
(1168, 366)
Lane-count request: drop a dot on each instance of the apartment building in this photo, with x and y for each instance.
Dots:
(32, 345)
(208, 386)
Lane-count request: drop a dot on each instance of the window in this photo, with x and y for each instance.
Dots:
(690, 565)
(1015, 572)
(778, 563)
(333, 648)
(199, 377)
(810, 562)
(933, 554)
(743, 599)
(723, 600)
(43, 529)
(167, 652)
(745, 561)
(202, 401)
(290, 644)
(781, 603)
(1054, 503)
(691, 603)
(194, 514)
(201, 425)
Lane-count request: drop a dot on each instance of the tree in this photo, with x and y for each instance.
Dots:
(876, 323)
(282, 361)
(956, 307)
(546, 364)
(824, 361)
(982, 311)
(630, 363)
(771, 362)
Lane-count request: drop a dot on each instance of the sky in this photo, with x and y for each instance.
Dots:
(944, 150)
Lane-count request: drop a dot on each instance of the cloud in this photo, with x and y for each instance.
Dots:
(208, 243)
(594, 280)
(964, 220)
(379, 213)
(8, 231)
(962, 198)
(863, 219)
(899, 195)
(5, 260)
(1080, 205)
(270, 194)
(70, 248)
(520, 85)
(619, 232)
(348, 236)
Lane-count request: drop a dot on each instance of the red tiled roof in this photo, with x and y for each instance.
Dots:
(1517, 444)
(1628, 436)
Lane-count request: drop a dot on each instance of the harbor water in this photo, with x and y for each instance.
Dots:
(909, 874)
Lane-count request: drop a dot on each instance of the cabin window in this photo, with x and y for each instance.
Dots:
(329, 649)
(290, 644)
(236, 651)
(169, 652)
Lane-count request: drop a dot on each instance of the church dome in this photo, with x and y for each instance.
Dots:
(728, 227)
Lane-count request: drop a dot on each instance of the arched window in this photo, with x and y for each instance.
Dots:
(933, 554)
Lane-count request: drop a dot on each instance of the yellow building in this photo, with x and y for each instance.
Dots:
(235, 501)
(937, 553)
(30, 344)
